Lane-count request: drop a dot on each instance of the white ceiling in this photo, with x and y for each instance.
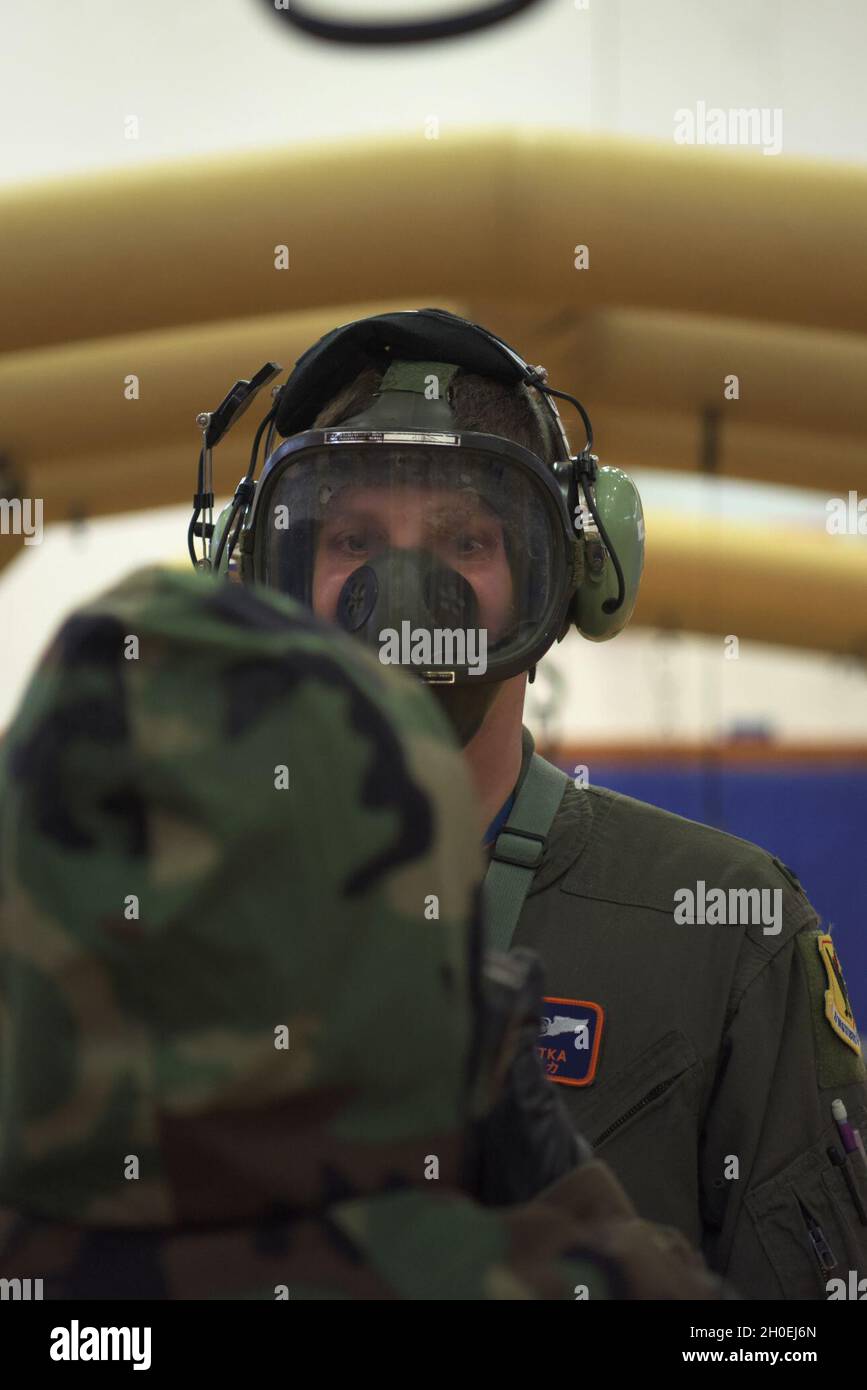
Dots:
(207, 76)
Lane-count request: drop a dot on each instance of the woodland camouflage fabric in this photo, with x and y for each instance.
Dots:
(221, 827)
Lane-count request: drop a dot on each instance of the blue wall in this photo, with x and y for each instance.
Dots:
(813, 818)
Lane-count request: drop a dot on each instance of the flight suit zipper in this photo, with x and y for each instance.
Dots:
(657, 1090)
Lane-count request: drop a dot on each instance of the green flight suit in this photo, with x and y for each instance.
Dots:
(715, 1045)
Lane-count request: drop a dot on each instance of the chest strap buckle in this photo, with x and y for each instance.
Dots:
(509, 849)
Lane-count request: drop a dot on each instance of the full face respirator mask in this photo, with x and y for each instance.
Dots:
(458, 555)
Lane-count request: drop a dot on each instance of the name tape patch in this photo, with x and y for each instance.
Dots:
(569, 1040)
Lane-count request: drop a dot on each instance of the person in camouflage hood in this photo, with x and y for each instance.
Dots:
(241, 1032)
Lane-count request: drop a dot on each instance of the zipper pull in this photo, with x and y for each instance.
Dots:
(822, 1250)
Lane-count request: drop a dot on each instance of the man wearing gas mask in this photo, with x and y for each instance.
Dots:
(426, 500)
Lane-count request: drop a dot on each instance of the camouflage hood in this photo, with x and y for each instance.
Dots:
(236, 960)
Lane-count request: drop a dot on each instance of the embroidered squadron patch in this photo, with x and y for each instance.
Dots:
(838, 1010)
(569, 1040)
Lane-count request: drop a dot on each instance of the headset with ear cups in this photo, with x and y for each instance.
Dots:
(601, 508)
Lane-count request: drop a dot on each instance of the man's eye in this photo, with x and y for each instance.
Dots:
(354, 542)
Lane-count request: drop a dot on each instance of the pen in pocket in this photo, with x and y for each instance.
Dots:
(850, 1136)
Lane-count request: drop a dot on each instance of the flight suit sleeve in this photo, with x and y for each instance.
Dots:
(780, 1219)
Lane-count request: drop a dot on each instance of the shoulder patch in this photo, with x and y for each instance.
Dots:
(838, 1010)
(569, 1039)
(838, 1046)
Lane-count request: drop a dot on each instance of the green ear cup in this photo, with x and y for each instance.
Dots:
(619, 507)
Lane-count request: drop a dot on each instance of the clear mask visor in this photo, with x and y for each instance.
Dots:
(441, 559)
